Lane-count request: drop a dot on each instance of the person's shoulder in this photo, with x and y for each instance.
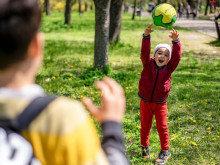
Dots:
(63, 115)
(63, 107)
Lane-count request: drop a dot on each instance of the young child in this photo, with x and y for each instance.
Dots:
(154, 87)
(63, 134)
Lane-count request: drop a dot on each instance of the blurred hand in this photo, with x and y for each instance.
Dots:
(174, 34)
(148, 30)
(113, 101)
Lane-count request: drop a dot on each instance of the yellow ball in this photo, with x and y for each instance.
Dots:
(164, 15)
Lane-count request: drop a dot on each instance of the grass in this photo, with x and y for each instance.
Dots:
(193, 102)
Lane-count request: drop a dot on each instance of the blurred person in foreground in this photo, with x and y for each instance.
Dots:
(63, 134)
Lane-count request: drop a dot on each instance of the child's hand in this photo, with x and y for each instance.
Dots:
(174, 35)
(148, 30)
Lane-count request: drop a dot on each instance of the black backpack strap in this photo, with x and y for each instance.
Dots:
(29, 113)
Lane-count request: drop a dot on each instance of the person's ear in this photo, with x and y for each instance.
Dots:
(36, 46)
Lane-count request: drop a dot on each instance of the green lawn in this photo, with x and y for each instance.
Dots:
(193, 103)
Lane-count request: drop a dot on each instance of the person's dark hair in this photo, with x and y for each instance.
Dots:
(19, 22)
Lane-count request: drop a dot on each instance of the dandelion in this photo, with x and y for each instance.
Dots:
(174, 137)
(75, 64)
(179, 119)
(214, 139)
(189, 137)
(193, 143)
(203, 137)
(184, 144)
(139, 127)
(130, 104)
(209, 115)
(53, 77)
(194, 121)
(180, 106)
(69, 79)
(208, 128)
(130, 140)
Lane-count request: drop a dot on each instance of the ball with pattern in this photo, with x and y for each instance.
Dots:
(164, 15)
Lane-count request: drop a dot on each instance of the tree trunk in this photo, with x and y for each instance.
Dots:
(116, 11)
(134, 12)
(141, 6)
(207, 6)
(102, 18)
(67, 14)
(47, 7)
(86, 6)
(80, 7)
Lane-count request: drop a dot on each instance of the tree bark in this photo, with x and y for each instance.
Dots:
(116, 11)
(134, 12)
(206, 8)
(141, 6)
(102, 18)
(47, 7)
(68, 10)
(86, 6)
(80, 7)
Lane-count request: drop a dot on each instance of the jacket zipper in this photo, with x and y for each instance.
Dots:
(152, 94)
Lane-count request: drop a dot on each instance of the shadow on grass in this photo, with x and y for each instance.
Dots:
(215, 43)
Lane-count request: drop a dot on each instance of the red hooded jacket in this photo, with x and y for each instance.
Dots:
(155, 83)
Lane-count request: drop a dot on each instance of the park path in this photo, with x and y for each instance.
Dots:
(203, 26)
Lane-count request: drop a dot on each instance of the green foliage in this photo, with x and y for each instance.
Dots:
(194, 98)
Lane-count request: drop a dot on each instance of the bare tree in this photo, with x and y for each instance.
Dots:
(68, 10)
(86, 6)
(80, 7)
(207, 6)
(134, 11)
(116, 11)
(102, 18)
(47, 7)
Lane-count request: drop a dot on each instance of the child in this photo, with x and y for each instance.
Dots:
(154, 87)
(63, 133)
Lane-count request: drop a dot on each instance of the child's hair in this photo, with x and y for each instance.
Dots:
(19, 22)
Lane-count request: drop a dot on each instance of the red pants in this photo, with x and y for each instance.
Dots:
(147, 110)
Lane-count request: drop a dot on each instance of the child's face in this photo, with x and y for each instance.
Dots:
(161, 57)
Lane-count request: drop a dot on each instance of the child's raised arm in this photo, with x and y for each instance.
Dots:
(145, 48)
(176, 50)
(148, 30)
(174, 35)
